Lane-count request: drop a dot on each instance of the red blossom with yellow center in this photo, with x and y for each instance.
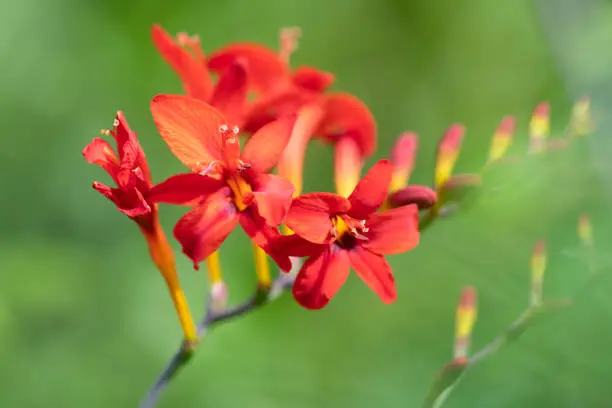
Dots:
(337, 233)
(227, 186)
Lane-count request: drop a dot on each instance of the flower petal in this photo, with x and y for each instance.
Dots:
(190, 128)
(371, 191)
(312, 78)
(310, 215)
(230, 92)
(321, 276)
(264, 236)
(265, 147)
(184, 189)
(130, 202)
(279, 102)
(192, 71)
(393, 231)
(374, 270)
(265, 68)
(294, 245)
(100, 152)
(348, 116)
(202, 230)
(273, 195)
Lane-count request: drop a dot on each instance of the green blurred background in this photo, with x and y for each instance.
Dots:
(85, 319)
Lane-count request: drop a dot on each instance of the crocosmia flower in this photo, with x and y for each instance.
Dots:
(227, 186)
(127, 167)
(337, 233)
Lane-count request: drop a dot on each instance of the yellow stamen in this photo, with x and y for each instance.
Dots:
(262, 268)
(214, 268)
(163, 257)
(340, 226)
(348, 165)
(240, 188)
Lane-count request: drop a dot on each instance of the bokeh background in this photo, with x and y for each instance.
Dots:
(85, 319)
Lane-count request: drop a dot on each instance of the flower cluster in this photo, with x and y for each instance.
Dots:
(242, 130)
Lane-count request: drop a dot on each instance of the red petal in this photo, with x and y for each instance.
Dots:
(321, 276)
(310, 215)
(265, 68)
(371, 191)
(273, 195)
(192, 71)
(374, 270)
(348, 116)
(231, 91)
(265, 147)
(312, 79)
(184, 189)
(190, 128)
(277, 103)
(130, 202)
(394, 231)
(264, 236)
(100, 152)
(122, 131)
(294, 245)
(202, 230)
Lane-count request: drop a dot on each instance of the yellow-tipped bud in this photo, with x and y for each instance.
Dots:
(347, 166)
(464, 321)
(581, 123)
(448, 152)
(538, 267)
(539, 128)
(585, 231)
(402, 159)
(502, 138)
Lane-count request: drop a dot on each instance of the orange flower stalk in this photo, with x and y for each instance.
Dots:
(130, 171)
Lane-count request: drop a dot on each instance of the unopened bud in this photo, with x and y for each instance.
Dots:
(581, 123)
(538, 267)
(539, 128)
(585, 231)
(447, 154)
(502, 138)
(464, 321)
(423, 197)
(403, 158)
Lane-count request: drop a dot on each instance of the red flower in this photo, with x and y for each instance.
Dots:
(243, 67)
(130, 172)
(337, 233)
(227, 187)
(128, 169)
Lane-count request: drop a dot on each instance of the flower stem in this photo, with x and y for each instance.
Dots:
(163, 257)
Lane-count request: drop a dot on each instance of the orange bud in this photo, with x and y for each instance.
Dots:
(448, 152)
(502, 138)
(581, 123)
(423, 197)
(538, 267)
(585, 231)
(347, 165)
(403, 158)
(464, 321)
(539, 128)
